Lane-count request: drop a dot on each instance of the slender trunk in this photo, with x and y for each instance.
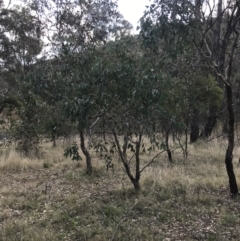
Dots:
(217, 33)
(54, 143)
(218, 26)
(173, 137)
(234, 19)
(224, 49)
(167, 146)
(212, 118)
(194, 135)
(54, 139)
(236, 113)
(1, 108)
(198, 5)
(136, 185)
(229, 152)
(186, 140)
(137, 171)
(123, 158)
(85, 152)
(3, 105)
(103, 126)
(211, 122)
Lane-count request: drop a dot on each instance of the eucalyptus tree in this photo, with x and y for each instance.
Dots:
(132, 91)
(75, 30)
(80, 33)
(20, 39)
(167, 31)
(78, 23)
(140, 98)
(20, 42)
(216, 41)
(221, 55)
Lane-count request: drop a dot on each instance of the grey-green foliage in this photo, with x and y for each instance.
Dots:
(20, 43)
(66, 81)
(169, 21)
(20, 39)
(72, 152)
(168, 31)
(29, 127)
(130, 97)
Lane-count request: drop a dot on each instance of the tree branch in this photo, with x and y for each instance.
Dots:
(153, 159)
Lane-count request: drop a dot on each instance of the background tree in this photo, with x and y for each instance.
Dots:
(20, 44)
(174, 22)
(227, 42)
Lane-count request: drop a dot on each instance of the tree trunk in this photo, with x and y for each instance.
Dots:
(1, 108)
(194, 135)
(186, 140)
(137, 171)
(218, 26)
(229, 152)
(123, 158)
(54, 143)
(3, 105)
(225, 45)
(85, 152)
(212, 118)
(54, 139)
(136, 185)
(211, 122)
(167, 146)
(198, 5)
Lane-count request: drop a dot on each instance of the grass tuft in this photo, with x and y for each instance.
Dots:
(52, 198)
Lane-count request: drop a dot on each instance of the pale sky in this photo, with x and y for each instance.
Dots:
(132, 10)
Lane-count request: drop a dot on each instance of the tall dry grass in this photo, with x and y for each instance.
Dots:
(51, 198)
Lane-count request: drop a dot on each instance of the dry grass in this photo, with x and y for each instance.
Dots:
(11, 161)
(51, 198)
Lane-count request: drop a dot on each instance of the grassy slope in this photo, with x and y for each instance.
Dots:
(53, 199)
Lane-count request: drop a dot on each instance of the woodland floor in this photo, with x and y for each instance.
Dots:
(53, 199)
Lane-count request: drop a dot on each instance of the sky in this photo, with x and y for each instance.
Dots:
(132, 10)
